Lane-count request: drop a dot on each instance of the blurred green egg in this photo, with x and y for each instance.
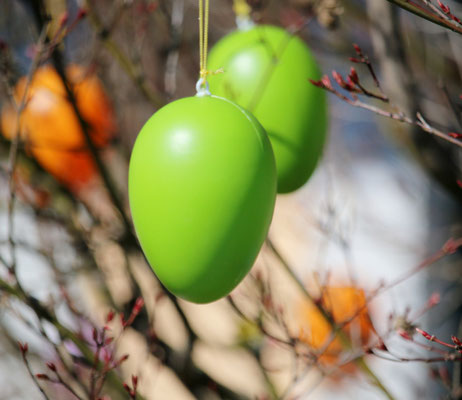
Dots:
(202, 187)
(267, 72)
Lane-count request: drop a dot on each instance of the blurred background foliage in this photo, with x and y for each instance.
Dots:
(325, 311)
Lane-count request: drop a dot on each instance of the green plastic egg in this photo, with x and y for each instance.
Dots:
(267, 72)
(202, 187)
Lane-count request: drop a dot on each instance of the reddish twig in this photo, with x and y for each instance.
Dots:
(59, 380)
(353, 86)
(429, 15)
(24, 348)
(132, 390)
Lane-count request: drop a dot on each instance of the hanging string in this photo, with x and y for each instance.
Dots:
(203, 36)
(202, 85)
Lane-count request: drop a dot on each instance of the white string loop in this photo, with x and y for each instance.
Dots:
(244, 22)
(202, 88)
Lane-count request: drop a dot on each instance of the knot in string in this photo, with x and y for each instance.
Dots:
(205, 72)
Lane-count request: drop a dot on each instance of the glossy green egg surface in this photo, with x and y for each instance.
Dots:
(267, 72)
(202, 187)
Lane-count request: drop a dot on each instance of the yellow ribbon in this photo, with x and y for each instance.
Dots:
(241, 8)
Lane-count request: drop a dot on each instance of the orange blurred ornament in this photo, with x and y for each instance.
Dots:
(342, 303)
(49, 126)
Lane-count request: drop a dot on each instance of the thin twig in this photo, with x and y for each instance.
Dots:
(429, 16)
(43, 313)
(130, 69)
(15, 142)
(29, 370)
(400, 116)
